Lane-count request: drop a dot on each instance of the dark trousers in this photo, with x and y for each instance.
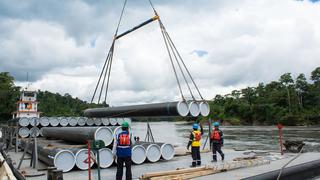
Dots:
(195, 153)
(216, 147)
(127, 161)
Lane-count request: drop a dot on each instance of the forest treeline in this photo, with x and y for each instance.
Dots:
(290, 101)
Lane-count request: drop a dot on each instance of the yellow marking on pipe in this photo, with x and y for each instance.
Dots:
(155, 17)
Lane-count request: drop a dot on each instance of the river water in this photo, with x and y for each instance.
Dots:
(236, 137)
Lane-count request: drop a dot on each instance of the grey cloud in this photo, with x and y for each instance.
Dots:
(247, 42)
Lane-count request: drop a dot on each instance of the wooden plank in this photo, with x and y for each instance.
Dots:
(149, 175)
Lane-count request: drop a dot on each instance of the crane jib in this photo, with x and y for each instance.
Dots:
(138, 26)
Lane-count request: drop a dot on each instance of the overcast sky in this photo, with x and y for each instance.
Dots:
(226, 44)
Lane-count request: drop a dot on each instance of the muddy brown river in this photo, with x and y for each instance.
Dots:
(236, 137)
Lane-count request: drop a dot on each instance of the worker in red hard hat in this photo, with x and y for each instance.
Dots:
(122, 149)
(216, 141)
(195, 142)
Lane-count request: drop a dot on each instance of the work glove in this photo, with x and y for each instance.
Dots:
(188, 147)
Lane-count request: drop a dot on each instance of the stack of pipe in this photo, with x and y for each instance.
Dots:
(141, 151)
(34, 125)
(156, 150)
(65, 156)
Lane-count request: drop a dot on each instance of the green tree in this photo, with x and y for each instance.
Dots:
(9, 94)
(315, 75)
(287, 80)
(301, 88)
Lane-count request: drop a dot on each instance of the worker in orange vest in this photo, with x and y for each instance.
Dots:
(195, 142)
(122, 149)
(216, 141)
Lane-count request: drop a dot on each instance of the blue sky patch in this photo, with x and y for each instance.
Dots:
(93, 42)
(200, 53)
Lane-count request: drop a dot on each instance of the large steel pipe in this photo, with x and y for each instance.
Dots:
(57, 157)
(179, 108)
(113, 121)
(53, 121)
(24, 132)
(128, 120)
(120, 120)
(82, 121)
(116, 130)
(105, 121)
(204, 108)
(72, 121)
(79, 134)
(97, 121)
(24, 121)
(40, 132)
(60, 158)
(90, 121)
(63, 121)
(105, 157)
(138, 154)
(34, 132)
(81, 156)
(34, 121)
(44, 121)
(194, 109)
(153, 152)
(167, 151)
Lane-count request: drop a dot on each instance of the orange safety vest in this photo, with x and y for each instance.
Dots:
(196, 138)
(124, 140)
(215, 135)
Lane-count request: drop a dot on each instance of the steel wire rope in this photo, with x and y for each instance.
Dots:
(151, 4)
(170, 57)
(154, 10)
(109, 72)
(103, 69)
(112, 50)
(105, 73)
(181, 70)
(108, 62)
(183, 64)
(172, 64)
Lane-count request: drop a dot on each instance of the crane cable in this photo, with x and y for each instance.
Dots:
(166, 35)
(172, 52)
(177, 60)
(106, 70)
(170, 57)
(184, 65)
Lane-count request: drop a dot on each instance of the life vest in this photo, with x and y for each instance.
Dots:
(215, 135)
(124, 139)
(196, 138)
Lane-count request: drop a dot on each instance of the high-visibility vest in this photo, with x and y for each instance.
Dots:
(196, 139)
(215, 135)
(124, 139)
